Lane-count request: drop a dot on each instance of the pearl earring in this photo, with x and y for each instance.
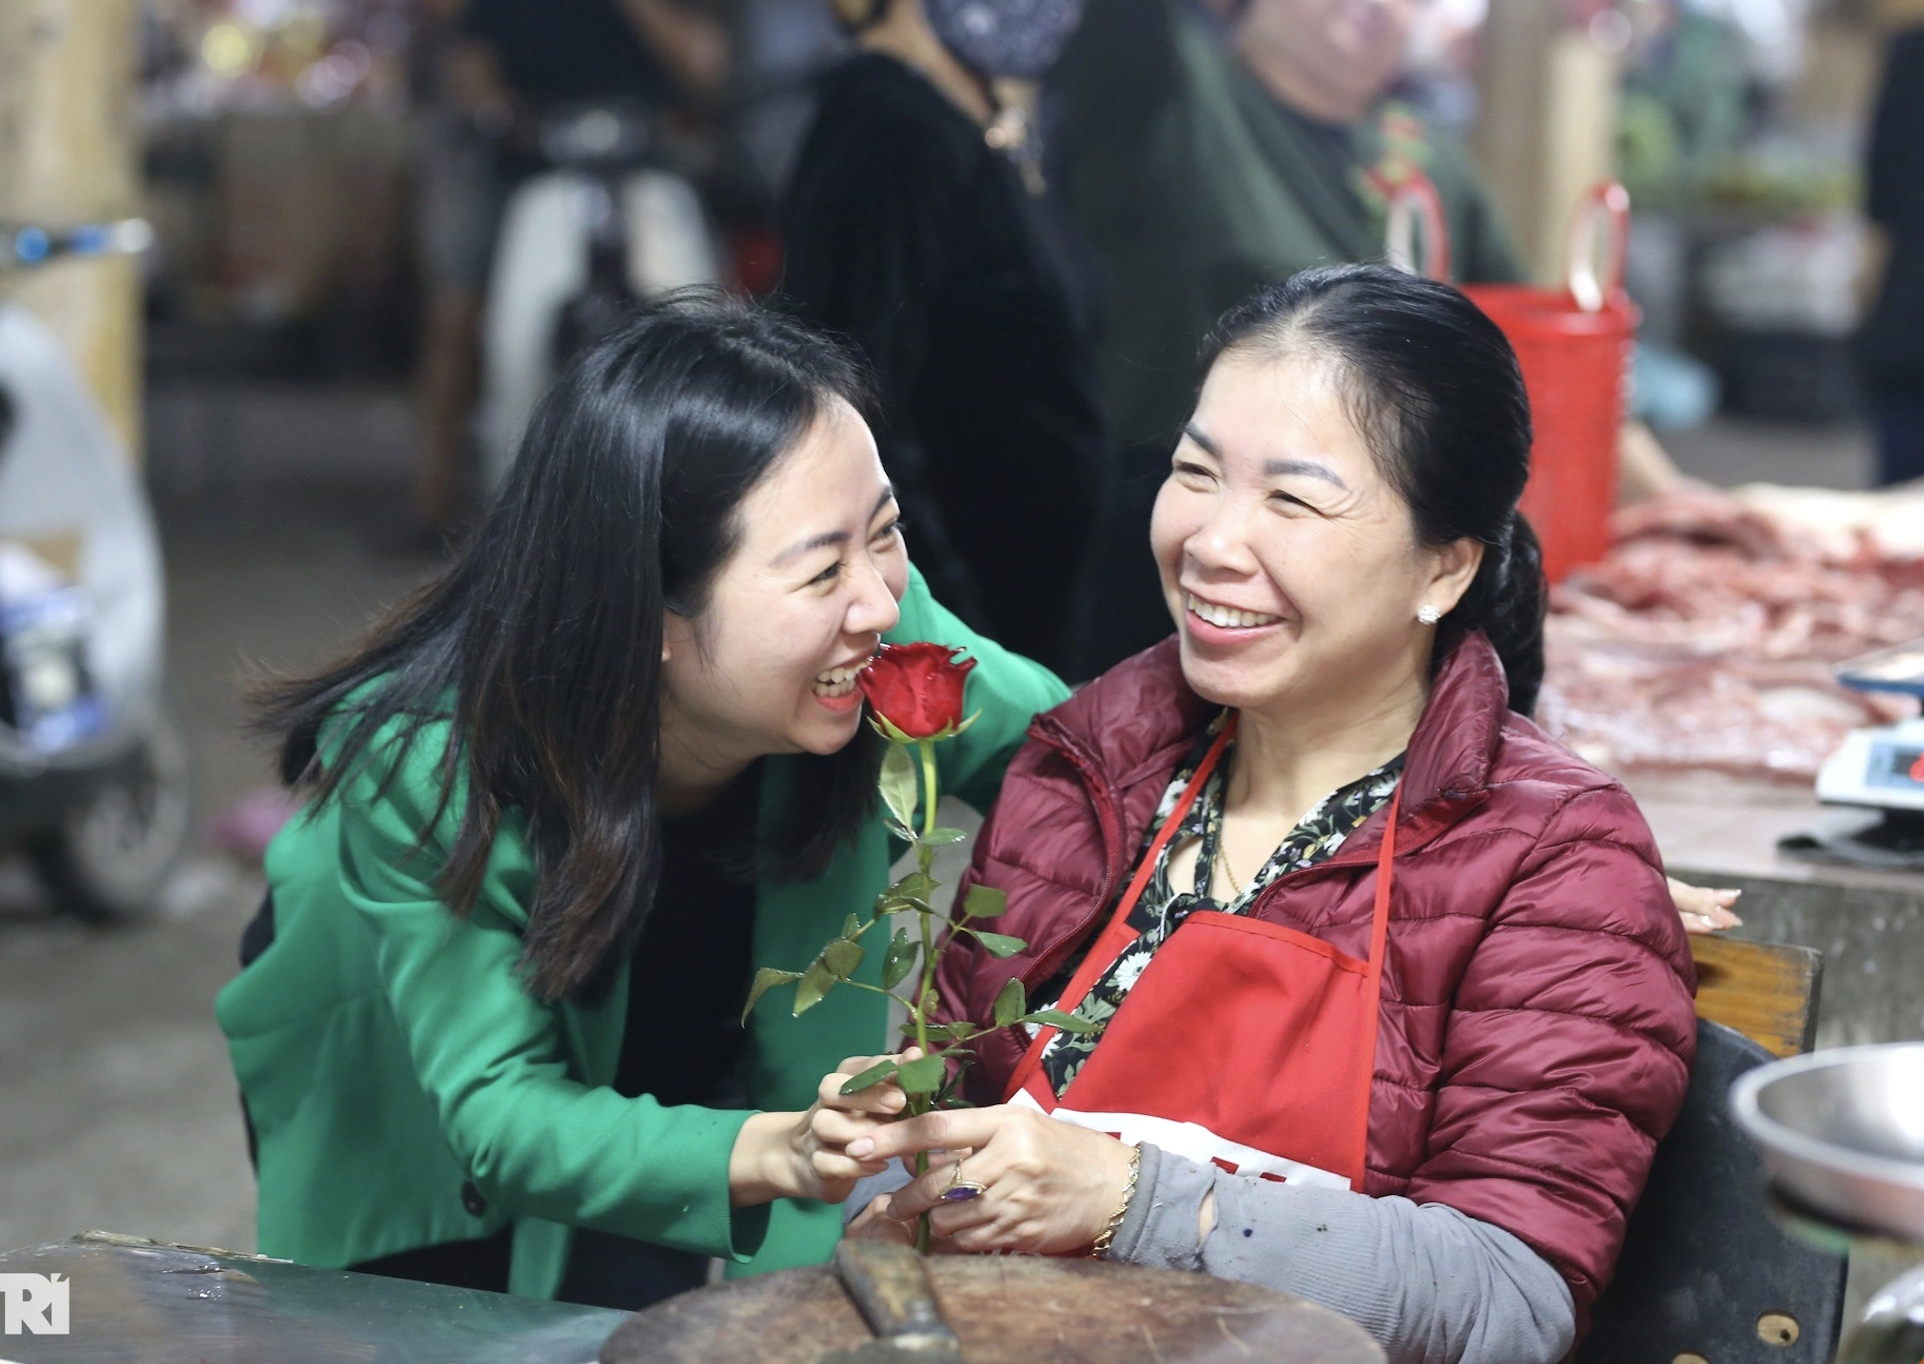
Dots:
(1428, 614)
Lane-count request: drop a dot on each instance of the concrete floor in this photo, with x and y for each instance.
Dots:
(117, 1108)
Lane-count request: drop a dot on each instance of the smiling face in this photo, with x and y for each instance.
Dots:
(799, 607)
(1289, 562)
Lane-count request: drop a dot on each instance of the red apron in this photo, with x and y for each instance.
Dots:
(1243, 1043)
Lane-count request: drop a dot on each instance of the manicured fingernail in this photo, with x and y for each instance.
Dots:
(860, 1147)
(1727, 898)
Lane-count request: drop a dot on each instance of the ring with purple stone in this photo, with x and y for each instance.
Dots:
(960, 1190)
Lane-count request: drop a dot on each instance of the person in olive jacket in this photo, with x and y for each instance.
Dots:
(560, 804)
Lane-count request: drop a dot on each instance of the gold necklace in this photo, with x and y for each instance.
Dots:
(1222, 860)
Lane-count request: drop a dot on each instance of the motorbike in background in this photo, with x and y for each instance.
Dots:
(606, 225)
(95, 768)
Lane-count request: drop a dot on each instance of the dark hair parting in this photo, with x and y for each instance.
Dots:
(1434, 388)
(541, 644)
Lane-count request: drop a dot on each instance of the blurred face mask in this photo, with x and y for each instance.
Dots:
(1015, 39)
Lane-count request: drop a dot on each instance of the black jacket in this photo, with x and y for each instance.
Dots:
(907, 233)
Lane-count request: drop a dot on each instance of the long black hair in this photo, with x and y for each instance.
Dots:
(1434, 389)
(542, 642)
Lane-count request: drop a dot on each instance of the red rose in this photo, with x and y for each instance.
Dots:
(917, 689)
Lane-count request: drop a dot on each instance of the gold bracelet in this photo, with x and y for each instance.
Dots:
(1100, 1250)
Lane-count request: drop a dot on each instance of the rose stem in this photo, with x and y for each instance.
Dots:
(925, 859)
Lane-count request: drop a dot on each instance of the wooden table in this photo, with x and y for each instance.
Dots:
(1006, 1310)
(140, 1302)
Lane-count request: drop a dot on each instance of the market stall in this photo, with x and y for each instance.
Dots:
(1699, 659)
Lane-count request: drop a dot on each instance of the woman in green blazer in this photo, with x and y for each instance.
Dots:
(561, 804)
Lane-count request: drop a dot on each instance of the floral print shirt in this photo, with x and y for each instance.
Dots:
(1163, 907)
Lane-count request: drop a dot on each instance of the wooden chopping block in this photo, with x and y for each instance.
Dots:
(1006, 1310)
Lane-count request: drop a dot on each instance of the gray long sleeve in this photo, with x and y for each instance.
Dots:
(1432, 1285)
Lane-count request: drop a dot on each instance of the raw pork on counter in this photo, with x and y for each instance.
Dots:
(1707, 636)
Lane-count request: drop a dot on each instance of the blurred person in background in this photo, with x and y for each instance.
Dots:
(1891, 344)
(917, 223)
(500, 65)
(781, 49)
(1209, 148)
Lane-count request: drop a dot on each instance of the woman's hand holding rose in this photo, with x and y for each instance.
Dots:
(805, 1155)
(1051, 1186)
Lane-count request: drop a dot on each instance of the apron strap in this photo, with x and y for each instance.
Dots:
(1373, 984)
(1117, 934)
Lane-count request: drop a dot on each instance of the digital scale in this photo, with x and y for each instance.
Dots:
(1879, 768)
(1882, 768)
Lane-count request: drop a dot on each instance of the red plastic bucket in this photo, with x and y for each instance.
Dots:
(1575, 346)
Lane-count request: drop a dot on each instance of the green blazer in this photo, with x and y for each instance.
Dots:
(406, 1091)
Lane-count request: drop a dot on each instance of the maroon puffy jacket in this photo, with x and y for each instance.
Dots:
(1537, 1025)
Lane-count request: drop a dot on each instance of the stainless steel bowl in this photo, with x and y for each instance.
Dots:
(1843, 1132)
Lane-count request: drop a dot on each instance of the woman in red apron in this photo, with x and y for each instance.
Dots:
(1408, 1053)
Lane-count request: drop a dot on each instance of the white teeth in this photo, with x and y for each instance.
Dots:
(1228, 617)
(837, 681)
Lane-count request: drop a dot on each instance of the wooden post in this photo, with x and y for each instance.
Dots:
(68, 155)
(1547, 127)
